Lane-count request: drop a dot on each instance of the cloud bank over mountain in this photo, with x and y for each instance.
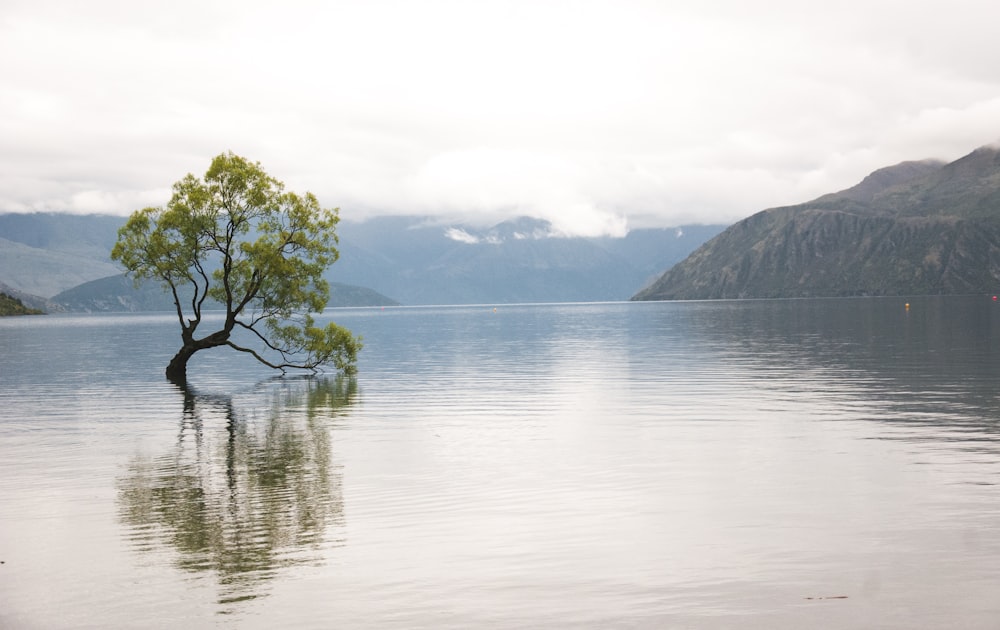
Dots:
(597, 117)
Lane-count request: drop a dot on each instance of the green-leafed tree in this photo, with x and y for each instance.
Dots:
(236, 236)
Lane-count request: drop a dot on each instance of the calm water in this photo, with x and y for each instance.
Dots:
(774, 464)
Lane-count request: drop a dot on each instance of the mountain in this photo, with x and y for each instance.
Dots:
(514, 261)
(10, 305)
(884, 179)
(413, 260)
(420, 261)
(30, 300)
(651, 251)
(42, 254)
(88, 236)
(118, 294)
(916, 228)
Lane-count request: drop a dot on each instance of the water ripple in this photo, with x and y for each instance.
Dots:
(621, 465)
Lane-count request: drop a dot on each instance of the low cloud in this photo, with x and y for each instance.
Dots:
(98, 201)
(460, 235)
(612, 115)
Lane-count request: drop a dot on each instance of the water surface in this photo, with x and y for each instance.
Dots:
(768, 464)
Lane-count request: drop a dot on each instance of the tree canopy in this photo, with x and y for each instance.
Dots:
(238, 238)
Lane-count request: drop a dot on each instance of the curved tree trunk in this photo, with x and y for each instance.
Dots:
(177, 368)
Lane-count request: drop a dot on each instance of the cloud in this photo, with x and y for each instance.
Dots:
(460, 235)
(596, 117)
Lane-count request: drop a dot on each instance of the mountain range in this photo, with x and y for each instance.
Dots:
(61, 262)
(916, 228)
(417, 261)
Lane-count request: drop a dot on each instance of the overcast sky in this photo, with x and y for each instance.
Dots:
(596, 115)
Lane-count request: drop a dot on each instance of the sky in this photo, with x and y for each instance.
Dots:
(600, 116)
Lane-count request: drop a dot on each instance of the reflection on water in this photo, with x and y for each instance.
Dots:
(242, 494)
(772, 464)
(929, 371)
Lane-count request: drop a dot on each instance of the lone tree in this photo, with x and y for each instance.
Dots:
(236, 237)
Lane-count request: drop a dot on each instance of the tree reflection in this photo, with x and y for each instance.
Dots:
(243, 493)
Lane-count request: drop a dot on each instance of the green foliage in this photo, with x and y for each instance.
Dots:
(238, 238)
(10, 305)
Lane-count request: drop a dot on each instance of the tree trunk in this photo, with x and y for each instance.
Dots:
(177, 368)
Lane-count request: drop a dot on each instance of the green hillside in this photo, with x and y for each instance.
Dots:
(10, 305)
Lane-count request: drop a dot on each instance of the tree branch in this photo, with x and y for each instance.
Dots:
(177, 301)
(277, 366)
(197, 303)
(252, 291)
(284, 352)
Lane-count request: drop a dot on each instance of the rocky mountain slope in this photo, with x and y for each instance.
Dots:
(916, 228)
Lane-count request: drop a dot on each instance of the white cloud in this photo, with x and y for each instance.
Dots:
(460, 235)
(97, 201)
(595, 116)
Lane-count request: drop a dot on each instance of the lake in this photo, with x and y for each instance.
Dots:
(742, 464)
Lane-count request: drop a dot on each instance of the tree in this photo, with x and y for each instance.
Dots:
(237, 238)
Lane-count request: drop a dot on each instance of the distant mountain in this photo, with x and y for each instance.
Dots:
(652, 251)
(44, 253)
(88, 236)
(118, 294)
(912, 229)
(45, 272)
(30, 300)
(419, 261)
(10, 305)
(413, 260)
